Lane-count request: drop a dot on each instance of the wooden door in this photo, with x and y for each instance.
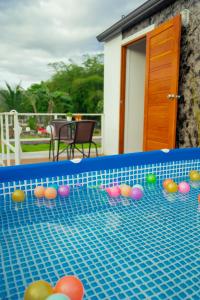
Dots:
(161, 86)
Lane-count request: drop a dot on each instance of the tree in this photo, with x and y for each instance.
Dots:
(72, 87)
(12, 97)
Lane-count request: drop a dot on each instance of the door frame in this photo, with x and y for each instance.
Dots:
(123, 89)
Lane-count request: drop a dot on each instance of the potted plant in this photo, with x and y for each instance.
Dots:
(69, 116)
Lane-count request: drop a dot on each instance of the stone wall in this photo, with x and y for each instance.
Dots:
(188, 120)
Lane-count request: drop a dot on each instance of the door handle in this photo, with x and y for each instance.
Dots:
(173, 96)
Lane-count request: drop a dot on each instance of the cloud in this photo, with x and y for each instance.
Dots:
(34, 33)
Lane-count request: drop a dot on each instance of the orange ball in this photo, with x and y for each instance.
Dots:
(39, 191)
(166, 182)
(70, 286)
(125, 190)
(50, 193)
(199, 198)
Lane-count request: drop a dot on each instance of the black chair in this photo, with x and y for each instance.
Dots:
(65, 135)
(82, 133)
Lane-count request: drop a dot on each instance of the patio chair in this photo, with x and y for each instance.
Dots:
(82, 134)
(65, 135)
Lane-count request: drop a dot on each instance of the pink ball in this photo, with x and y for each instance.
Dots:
(184, 187)
(136, 193)
(113, 191)
(63, 190)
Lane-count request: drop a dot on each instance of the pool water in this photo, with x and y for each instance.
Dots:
(120, 249)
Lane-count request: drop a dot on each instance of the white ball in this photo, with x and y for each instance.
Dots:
(139, 187)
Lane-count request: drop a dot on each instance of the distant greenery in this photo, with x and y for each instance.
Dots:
(72, 88)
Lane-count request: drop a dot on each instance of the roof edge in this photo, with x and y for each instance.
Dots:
(144, 11)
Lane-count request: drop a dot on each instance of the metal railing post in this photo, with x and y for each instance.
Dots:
(7, 140)
(17, 139)
(2, 140)
(102, 133)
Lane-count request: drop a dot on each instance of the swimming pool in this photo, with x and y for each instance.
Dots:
(119, 248)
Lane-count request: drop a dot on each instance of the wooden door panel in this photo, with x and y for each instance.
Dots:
(167, 31)
(152, 145)
(157, 99)
(161, 61)
(162, 71)
(166, 46)
(157, 86)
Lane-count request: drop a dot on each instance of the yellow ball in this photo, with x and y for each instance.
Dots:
(194, 175)
(18, 196)
(38, 290)
(172, 187)
(125, 190)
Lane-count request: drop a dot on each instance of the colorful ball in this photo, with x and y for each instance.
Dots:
(63, 190)
(70, 286)
(136, 193)
(125, 190)
(199, 198)
(50, 193)
(166, 182)
(38, 290)
(183, 187)
(151, 178)
(58, 297)
(39, 191)
(172, 187)
(113, 191)
(194, 175)
(54, 186)
(139, 186)
(18, 196)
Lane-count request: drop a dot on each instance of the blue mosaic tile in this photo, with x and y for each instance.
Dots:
(147, 249)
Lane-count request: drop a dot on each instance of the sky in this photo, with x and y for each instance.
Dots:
(37, 32)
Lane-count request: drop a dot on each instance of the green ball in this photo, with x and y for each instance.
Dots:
(151, 178)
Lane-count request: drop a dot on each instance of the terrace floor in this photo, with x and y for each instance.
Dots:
(43, 156)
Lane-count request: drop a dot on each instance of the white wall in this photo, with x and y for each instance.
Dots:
(134, 102)
(112, 66)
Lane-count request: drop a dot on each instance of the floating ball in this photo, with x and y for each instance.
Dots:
(172, 187)
(199, 198)
(183, 187)
(136, 193)
(151, 178)
(18, 196)
(54, 186)
(166, 182)
(113, 191)
(71, 287)
(39, 191)
(38, 290)
(139, 186)
(194, 175)
(50, 193)
(125, 190)
(63, 190)
(58, 297)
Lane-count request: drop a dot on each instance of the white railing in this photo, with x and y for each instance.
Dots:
(10, 122)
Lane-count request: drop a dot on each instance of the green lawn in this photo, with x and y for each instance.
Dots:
(45, 147)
